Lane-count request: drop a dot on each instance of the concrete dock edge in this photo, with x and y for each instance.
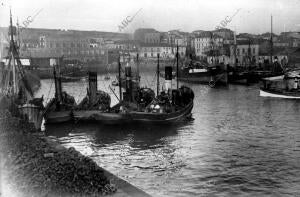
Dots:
(124, 188)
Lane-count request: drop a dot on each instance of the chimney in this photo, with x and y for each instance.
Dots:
(92, 87)
(128, 82)
(168, 78)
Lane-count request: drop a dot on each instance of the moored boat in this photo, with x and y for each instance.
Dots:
(169, 106)
(17, 87)
(198, 72)
(96, 101)
(60, 108)
(284, 86)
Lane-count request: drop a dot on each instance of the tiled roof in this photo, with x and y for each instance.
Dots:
(156, 45)
(246, 42)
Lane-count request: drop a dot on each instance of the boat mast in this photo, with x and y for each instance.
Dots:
(13, 55)
(16, 65)
(120, 82)
(249, 51)
(19, 40)
(157, 74)
(177, 56)
(271, 41)
(138, 69)
(234, 48)
(55, 83)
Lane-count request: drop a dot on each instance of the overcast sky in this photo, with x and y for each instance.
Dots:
(251, 16)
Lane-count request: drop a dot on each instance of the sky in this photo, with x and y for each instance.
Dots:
(251, 16)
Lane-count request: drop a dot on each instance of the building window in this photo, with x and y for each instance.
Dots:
(243, 51)
(238, 52)
(145, 54)
(42, 41)
(151, 54)
(253, 50)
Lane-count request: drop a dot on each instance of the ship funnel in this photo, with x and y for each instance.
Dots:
(168, 78)
(128, 82)
(92, 87)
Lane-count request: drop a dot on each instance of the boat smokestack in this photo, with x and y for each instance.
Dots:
(168, 78)
(93, 87)
(128, 82)
(57, 78)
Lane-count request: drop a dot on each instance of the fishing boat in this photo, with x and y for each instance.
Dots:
(213, 74)
(162, 74)
(169, 106)
(284, 86)
(238, 75)
(135, 78)
(95, 101)
(135, 82)
(254, 73)
(60, 108)
(70, 71)
(199, 72)
(17, 87)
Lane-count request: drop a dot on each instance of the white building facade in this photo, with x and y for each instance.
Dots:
(205, 43)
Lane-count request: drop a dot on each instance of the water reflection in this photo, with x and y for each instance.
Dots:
(238, 144)
(139, 136)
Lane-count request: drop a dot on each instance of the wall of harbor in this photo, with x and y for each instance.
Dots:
(32, 164)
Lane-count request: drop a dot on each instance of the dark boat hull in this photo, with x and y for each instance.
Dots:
(134, 116)
(217, 77)
(256, 75)
(205, 78)
(58, 117)
(238, 77)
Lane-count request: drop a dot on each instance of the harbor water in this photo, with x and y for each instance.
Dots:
(238, 144)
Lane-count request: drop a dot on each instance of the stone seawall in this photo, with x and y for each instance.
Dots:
(34, 165)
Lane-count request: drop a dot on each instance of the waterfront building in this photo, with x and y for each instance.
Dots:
(127, 45)
(219, 55)
(247, 52)
(72, 44)
(279, 54)
(197, 32)
(166, 51)
(205, 41)
(147, 35)
(153, 37)
(226, 34)
(178, 37)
